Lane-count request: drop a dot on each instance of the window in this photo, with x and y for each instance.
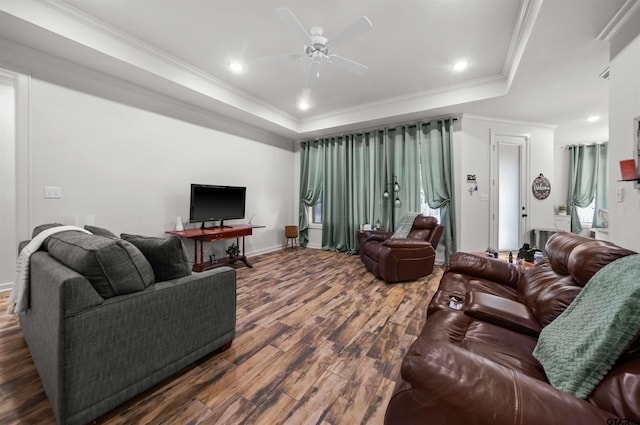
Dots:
(316, 211)
(586, 214)
(425, 209)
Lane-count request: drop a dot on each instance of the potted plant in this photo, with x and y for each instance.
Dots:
(562, 209)
(233, 250)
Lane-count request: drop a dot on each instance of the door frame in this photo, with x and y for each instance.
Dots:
(524, 179)
(14, 184)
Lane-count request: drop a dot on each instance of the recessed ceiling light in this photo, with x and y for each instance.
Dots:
(593, 118)
(236, 67)
(460, 66)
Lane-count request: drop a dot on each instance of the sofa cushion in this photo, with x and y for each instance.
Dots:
(559, 248)
(167, 256)
(546, 292)
(113, 266)
(100, 231)
(587, 258)
(582, 344)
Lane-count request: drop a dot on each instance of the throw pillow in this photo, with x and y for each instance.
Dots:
(167, 256)
(100, 231)
(113, 266)
(579, 347)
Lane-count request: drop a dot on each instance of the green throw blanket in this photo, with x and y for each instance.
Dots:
(405, 226)
(579, 347)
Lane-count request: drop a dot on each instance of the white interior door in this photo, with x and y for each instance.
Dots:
(509, 206)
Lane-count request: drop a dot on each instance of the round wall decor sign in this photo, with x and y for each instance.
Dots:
(541, 187)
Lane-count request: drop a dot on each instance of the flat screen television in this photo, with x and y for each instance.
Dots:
(216, 203)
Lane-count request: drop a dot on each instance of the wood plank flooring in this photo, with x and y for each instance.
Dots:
(319, 341)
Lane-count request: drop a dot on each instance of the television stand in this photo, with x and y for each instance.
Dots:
(199, 236)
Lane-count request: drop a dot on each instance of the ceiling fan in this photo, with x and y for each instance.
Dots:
(318, 48)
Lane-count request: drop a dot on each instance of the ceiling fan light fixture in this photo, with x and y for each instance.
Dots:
(236, 67)
(460, 66)
(319, 48)
(303, 105)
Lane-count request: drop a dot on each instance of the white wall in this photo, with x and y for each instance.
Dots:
(624, 107)
(129, 170)
(473, 146)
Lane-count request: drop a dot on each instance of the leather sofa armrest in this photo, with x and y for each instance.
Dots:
(405, 243)
(486, 268)
(502, 312)
(457, 383)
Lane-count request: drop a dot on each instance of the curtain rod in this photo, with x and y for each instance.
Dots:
(386, 127)
(583, 144)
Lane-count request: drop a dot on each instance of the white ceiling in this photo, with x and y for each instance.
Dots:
(530, 60)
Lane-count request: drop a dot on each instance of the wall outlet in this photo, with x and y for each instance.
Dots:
(52, 192)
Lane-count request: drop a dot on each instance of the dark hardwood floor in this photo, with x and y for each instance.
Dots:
(319, 341)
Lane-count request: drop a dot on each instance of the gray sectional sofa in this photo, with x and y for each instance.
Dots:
(110, 317)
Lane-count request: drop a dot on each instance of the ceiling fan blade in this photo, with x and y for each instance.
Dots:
(280, 58)
(349, 65)
(313, 75)
(352, 31)
(291, 22)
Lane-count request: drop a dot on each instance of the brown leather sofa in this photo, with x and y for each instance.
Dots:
(475, 365)
(399, 259)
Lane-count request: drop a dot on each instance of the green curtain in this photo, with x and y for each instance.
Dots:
(353, 171)
(602, 183)
(406, 169)
(437, 177)
(587, 163)
(353, 187)
(311, 173)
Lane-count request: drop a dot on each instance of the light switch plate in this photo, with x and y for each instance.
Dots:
(620, 194)
(52, 192)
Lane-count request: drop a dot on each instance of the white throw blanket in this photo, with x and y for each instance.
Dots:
(20, 293)
(406, 223)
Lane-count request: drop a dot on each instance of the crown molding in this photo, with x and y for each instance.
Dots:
(130, 58)
(619, 20)
(65, 21)
(193, 109)
(394, 102)
(520, 37)
(507, 121)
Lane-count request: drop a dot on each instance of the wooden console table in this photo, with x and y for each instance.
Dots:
(216, 234)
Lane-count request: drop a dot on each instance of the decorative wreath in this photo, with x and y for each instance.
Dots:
(541, 187)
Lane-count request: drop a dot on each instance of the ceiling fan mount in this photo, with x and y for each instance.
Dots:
(319, 48)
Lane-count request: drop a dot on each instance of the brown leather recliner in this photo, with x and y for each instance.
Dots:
(395, 260)
(476, 365)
